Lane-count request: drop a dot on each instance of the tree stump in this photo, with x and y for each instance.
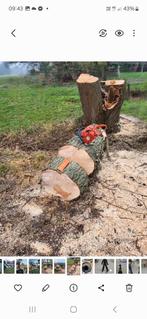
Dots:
(101, 101)
(113, 100)
(91, 97)
(64, 179)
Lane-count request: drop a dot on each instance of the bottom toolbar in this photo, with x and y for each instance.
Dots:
(73, 297)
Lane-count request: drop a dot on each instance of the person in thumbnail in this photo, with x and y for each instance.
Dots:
(130, 266)
(120, 269)
(19, 269)
(105, 265)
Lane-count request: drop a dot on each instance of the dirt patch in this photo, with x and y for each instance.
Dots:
(109, 219)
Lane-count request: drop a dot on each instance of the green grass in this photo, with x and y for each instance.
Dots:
(24, 103)
(134, 76)
(136, 107)
(137, 80)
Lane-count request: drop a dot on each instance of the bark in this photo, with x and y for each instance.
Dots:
(76, 173)
(94, 149)
(91, 97)
(115, 91)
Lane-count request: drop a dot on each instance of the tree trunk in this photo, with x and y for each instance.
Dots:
(66, 178)
(115, 91)
(101, 101)
(66, 181)
(91, 97)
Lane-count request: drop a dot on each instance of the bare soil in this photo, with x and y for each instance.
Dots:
(109, 219)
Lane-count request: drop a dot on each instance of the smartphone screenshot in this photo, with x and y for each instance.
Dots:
(73, 159)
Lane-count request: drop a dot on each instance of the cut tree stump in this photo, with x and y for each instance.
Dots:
(101, 101)
(91, 97)
(66, 181)
(113, 100)
(79, 156)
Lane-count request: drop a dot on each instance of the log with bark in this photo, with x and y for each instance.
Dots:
(64, 179)
(91, 97)
(67, 176)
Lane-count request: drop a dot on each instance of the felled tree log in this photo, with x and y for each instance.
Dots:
(59, 185)
(79, 156)
(66, 181)
(91, 97)
(66, 178)
(113, 100)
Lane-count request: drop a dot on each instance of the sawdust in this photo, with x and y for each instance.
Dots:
(109, 219)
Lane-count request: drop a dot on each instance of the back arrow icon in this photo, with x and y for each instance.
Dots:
(13, 33)
(115, 309)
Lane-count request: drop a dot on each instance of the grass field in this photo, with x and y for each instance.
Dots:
(25, 103)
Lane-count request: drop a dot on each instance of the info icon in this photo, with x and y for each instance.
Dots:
(103, 33)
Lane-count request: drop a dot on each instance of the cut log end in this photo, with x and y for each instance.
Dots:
(87, 78)
(56, 184)
(114, 82)
(79, 156)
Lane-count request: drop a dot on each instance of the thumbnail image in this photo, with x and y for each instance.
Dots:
(144, 266)
(21, 266)
(34, 266)
(104, 266)
(134, 266)
(87, 266)
(59, 266)
(73, 266)
(55, 118)
(9, 266)
(0, 266)
(47, 266)
(121, 266)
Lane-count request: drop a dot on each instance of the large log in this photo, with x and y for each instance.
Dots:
(91, 97)
(66, 181)
(66, 178)
(79, 156)
(56, 184)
